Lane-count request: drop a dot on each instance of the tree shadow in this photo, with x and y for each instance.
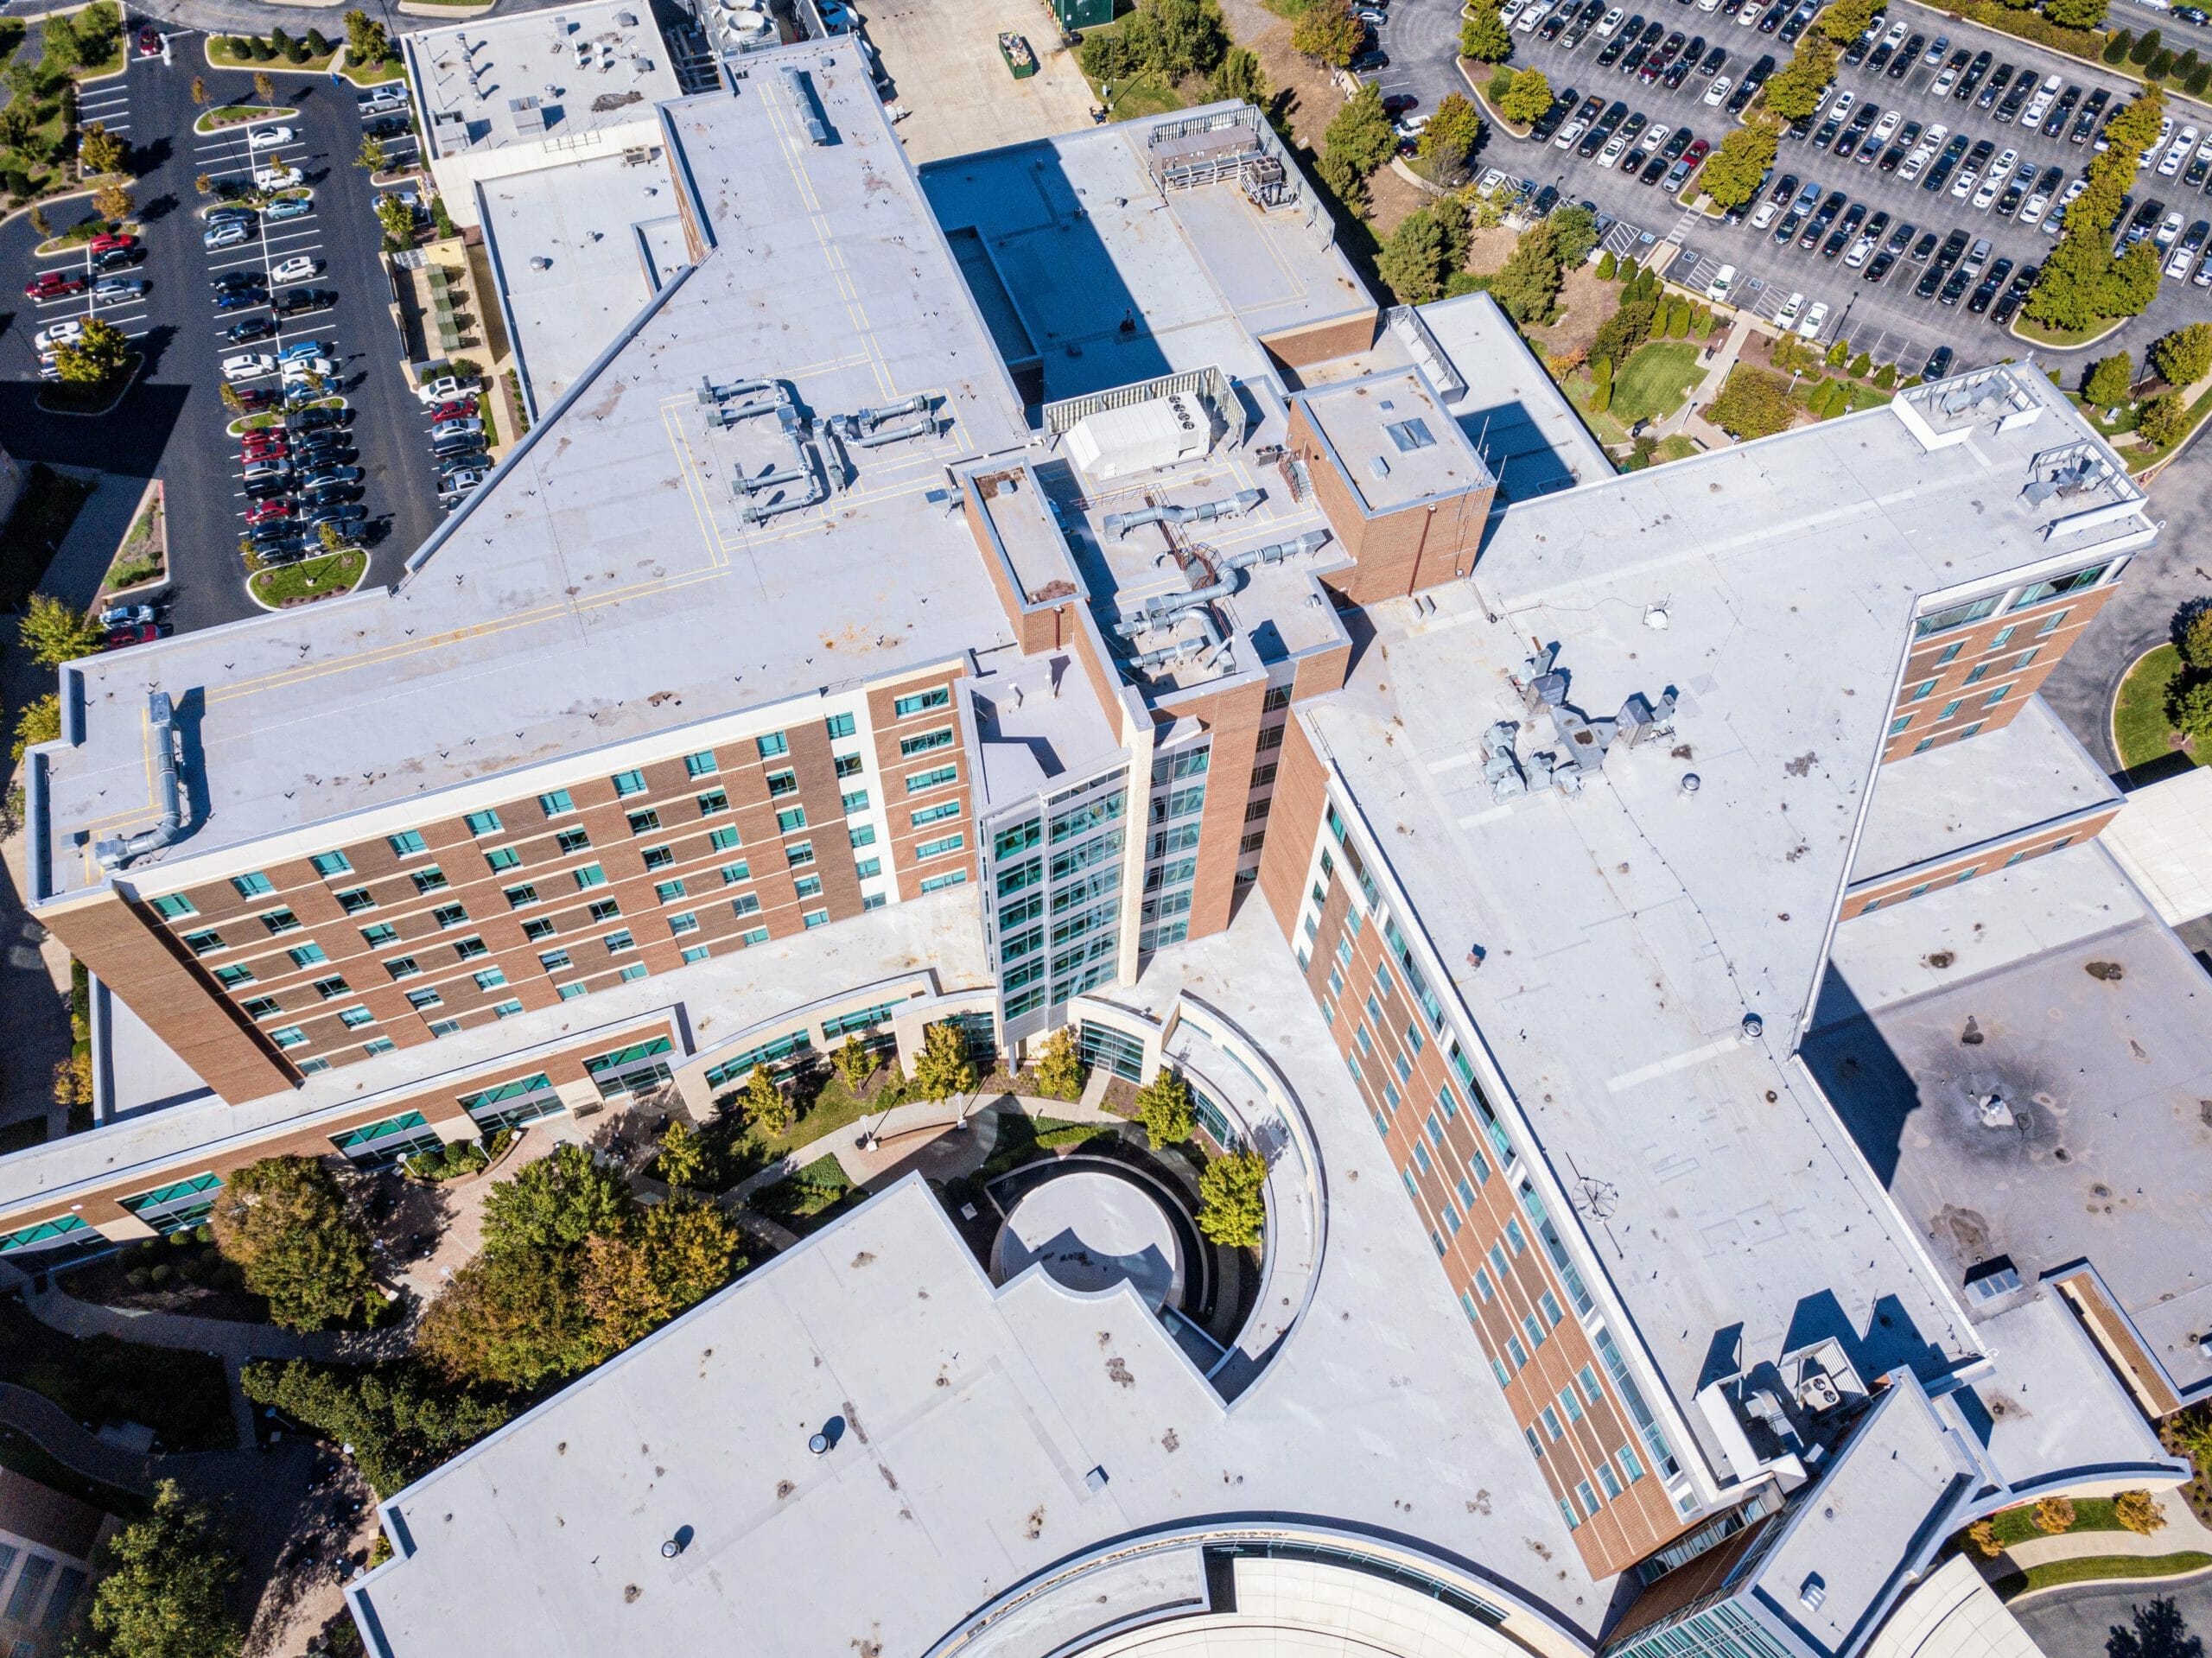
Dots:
(2159, 1631)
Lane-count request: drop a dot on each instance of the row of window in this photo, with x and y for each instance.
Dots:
(1961, 877)
(1975, 610)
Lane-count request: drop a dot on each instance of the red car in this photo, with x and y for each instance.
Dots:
(263, 443)
(254, 401)
(136, 633)
(54, 285)
(268, 511)
(112, 242)
(459, 409)
(149, 42)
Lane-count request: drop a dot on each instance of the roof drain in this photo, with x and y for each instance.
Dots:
(115, 853)
(1118, 524)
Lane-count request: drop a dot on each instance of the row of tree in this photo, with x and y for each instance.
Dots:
(2083, 283)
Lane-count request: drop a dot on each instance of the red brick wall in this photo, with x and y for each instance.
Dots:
(1997, 666)
(1953, 871)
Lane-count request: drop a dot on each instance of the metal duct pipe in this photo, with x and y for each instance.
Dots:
(925, 427)
(801, 92)
(872, 418)
(1162, 609)
(115, 853)
(1209, 645)
(805, 464)
(728, 416)
(711, 393)
(1312, 542)
(1234, 506)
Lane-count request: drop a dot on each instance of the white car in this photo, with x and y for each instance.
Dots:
(1724, 279)
(1859, 251)
(2177, 153)
(1838, 110)
(59, 333)
(1611, 21)
(300, 367)
(2001, 169)
(1569, 134)
(1787, 314)
(1987, 193)
(264, 137)
(113, 290)
(1612, 152)
(1527, 22)
(2177, 267)
(444, 390)
(248, 365)
(1944, 82)
(2032, 210)
(276, 178)
(2167, 229)
(1767, 213)
(1815, 319)
(296, 269)
(1963, 186)
(1718, 93)
(1884, 130)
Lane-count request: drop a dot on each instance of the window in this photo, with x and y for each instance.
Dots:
(2025, 659)
(627, 784)
(635, 971)
(554, 960)
(468, 949)
(659, 857)
(925, 742)
(941, 697)
(935, 814)
(1970, 730)
(619, 940)
(746, 904)
(808, 887)
(405, 844)
(791, 817)
(856, 800)
(280, 921)
(445, 1027)
(1950, 653)
(812, 918)
(2003, 636)
(291, 1036)
(1549, 1303)
(506, 1009)
(1482, 1286)
(701, 764)
(771, 745)
(605, 909)
(261, 1007)
(696, 953)
(850, 766)
(449, 915)
(2052, 623)
(354, 900)
(307, 954)
(378, 937)
(1586, 1378)
(1515, 1236)
(723, 840)
(1630, 1466)
(1536, 1331)
(491, 978)
(864, 836)
(428, 879)
(2059, 586)
(419, 1000)
(798, 852)
(1950, 708)
(231, 977)
(327, 864)
(933, 883)
(534, 930)
(1518, 1353)
(252, 886)
(505, 859)
(1552, 1428)
(918, 781)
(868, 868)
(715, 800)
(521, 896)
(733, 872)
(669, 890)
(570, 992)
(1996, 696)
(331, 987)
(555, 802)
(589, 876)
(203, 942)
(353, 1017)
(1920, 690)
(177, 906)
(644, 822)
(938, 848)
(681, 923)
(484, 822)
(1956, 616)
(839, 725)
(402, 967)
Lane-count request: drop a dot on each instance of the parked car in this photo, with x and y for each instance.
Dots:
(298, 368)
(150, 42)
(331, 477)
(248, 365)
(290, 207)
(1815, 319)
(299, 268)
(276, 178)
(113, 290)
(126, 615)
(444, 388)
(1939, 364)
(270, 512)
(57, 334)
(110, 243)
(118, 259)
(54, 285)
(253, 328)
(297, 302)
(131, 633)
(229, 234)
(309, 420)
(299, 350)
(262, 137)
(239, 299)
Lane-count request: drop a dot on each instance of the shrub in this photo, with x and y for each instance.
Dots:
(318, 44)
(263, 51)
(2138, 1512)
(2162, 420)
(1608, 267)
(2054, 1514)
(2145, 47)
(1886, 377)
(2116, 48)
(1232, 1210)
(1862, 364)
(1839, 352)
(1753, 403)
(1982, 1537)
(2109, 380)
(2183, 357)
(1060, 1070)
(1166, 1108)
(1601, 385)
(2161, 64)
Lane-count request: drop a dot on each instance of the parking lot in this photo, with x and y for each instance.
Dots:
(1886, 316)
(173, 422)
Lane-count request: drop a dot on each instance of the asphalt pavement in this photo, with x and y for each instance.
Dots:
(2164, 1620)
(172, 422)
(1888, 319)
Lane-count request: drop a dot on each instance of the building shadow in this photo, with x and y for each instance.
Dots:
(1856, 1068)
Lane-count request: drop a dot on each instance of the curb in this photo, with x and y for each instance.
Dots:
(2013, 329)
(270, 112)
(138, 367)
(152, 492)
(2026, 1595)
(303, 604)
(2111, 712)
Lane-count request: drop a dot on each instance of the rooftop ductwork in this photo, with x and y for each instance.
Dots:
(119, 850)
(1118, 524)
(925, 427)
(1209, 645)
(869, 428)
(801, 87)
(805, 464)
(1163, 608)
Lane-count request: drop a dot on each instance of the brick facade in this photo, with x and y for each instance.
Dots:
(2006, 656)
(1967, 866)
(1320, 342)
(1394, 553)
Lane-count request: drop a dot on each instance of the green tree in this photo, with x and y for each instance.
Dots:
(279, 41)
(2161, 64)
(1328, 31)
(1529, 281)
(285, 1225)
(555, 1204)
(943, 1068)
(1839, 352)
(39, 722)
(55, 632)
(1452, 130)
(318, 44)
(1885, 377)
(59, 42)
(1166, 1109)
(1733, 172)
(2082, 283)
(1412, 261)
(2110, 380)
(2162, 420)
(113, 203)
(100, 151)
(1528, 96)
(366, 40)
(1629, 327)
(397, 219)
(765, 1108)
(1846, 20)
(855, 1062)
(1608, 267)
(2138, 1512)
(371, 157)
(1360, 135)
(1232, 1204)
(1574, 233)
(1060, 1070)
(514, 1318)
(691, 1248)
(98, 25)
(2118, 46)
(2200, 80)
(1753, 403)
(1601, 385)
(2183, 357)
(162, 1593)
(38, 220)
(1484, 37)
(2193, 636)
(2145, 47)
(401, 1418)
(1240, 77)
(1793, 91)
(1862, 365)
(684, 1157)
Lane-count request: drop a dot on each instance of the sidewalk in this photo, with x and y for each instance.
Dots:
(902, 1149)
(1689, 419)
(2182, 1532)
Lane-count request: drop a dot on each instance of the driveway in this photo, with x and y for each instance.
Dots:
(2165, 1620)
(2177, 569)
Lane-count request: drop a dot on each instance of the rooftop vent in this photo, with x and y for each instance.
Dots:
(1812, 1593)
(1991, 1280)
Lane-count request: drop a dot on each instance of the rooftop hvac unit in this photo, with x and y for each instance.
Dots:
(1141, 437)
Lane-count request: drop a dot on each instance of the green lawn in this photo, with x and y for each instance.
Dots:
(1655, 381)
(2139, 728)
(2099, 1568)
(2150, 455)
(2060, 337)
(1145, 95)
(2019, 1525)
(811, 1198)
(232, 115)
(311, 578)
(1607, 429)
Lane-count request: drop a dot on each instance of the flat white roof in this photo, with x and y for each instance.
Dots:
(560, 75)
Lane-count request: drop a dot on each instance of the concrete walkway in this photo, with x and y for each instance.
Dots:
(1689, 420)
(901, 1150)
(2183, 1533)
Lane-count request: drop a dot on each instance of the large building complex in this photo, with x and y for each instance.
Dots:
(1048, 591)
